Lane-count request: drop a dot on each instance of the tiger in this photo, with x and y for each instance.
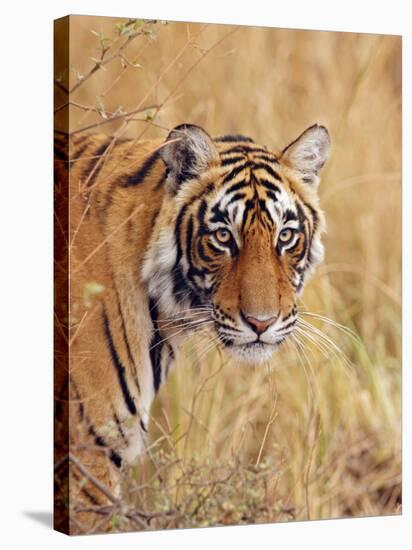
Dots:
(167, 237)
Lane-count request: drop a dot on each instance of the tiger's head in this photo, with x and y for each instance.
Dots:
(237, 236)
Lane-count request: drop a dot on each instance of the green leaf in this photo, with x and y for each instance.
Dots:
(115, 522)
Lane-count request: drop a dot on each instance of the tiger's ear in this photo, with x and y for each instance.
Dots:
(188, 151)
(308, 153)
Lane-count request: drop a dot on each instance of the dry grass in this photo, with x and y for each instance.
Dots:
(316, 434)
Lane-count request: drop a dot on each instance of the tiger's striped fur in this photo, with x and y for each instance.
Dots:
(177, 235)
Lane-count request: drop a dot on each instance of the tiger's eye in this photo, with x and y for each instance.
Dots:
(223, 235)
(286, 235)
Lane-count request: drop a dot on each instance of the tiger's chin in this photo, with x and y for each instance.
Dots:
(254, 352)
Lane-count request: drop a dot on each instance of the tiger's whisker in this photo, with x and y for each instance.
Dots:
(326, 340)
(322, 348)
(302, 356)
(335, 324)
(179, 321)
(321, 334)
(171, 336)
(210, 346)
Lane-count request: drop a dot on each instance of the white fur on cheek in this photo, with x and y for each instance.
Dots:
(157, 268)
(317, 255)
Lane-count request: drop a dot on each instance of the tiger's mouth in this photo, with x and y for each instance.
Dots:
(253, 352)
(256, 350)
(240, 341)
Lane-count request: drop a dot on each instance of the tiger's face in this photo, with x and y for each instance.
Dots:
(242, 235)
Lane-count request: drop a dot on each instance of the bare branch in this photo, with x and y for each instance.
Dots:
(113, 118)
(84, 471)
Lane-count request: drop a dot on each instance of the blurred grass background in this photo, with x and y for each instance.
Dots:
(324, 426)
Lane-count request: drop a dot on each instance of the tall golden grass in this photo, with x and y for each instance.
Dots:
(324, 417)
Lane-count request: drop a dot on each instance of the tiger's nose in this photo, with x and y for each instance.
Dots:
(259, 325)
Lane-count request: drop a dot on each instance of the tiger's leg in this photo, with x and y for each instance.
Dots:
(94, 492)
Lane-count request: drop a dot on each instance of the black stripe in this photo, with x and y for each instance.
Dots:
(285, 327)
(187, 168)
(244, 148)
(315, 215)
(181, 290)
(192, 272)
(229, 327)
(155, 346)
(77, 397)
(249, 205)
(115, 458)
(229, 342)
(126, 339)
(119, 427)
(236, 186)
(228, 160)
(233, 173)
(272, 196)
(79, 140)
(179, 284)
(118, 366)
(236, 197)
(99, 440)
(264, 209)
(189, 239)
(268, 169)
(233, 138)
(179, 287)
(80, 146)
(138, 177)
(80, 152)
(289, 315)
(311, 231)
(303, 231)
(87, 494)
(219, 215)
(203, 256)
(269, 157)
(201, 213)
(62, 151)
(90, 497)
(215, 250)
(268, 185)
(178, 240)
(289, 215)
